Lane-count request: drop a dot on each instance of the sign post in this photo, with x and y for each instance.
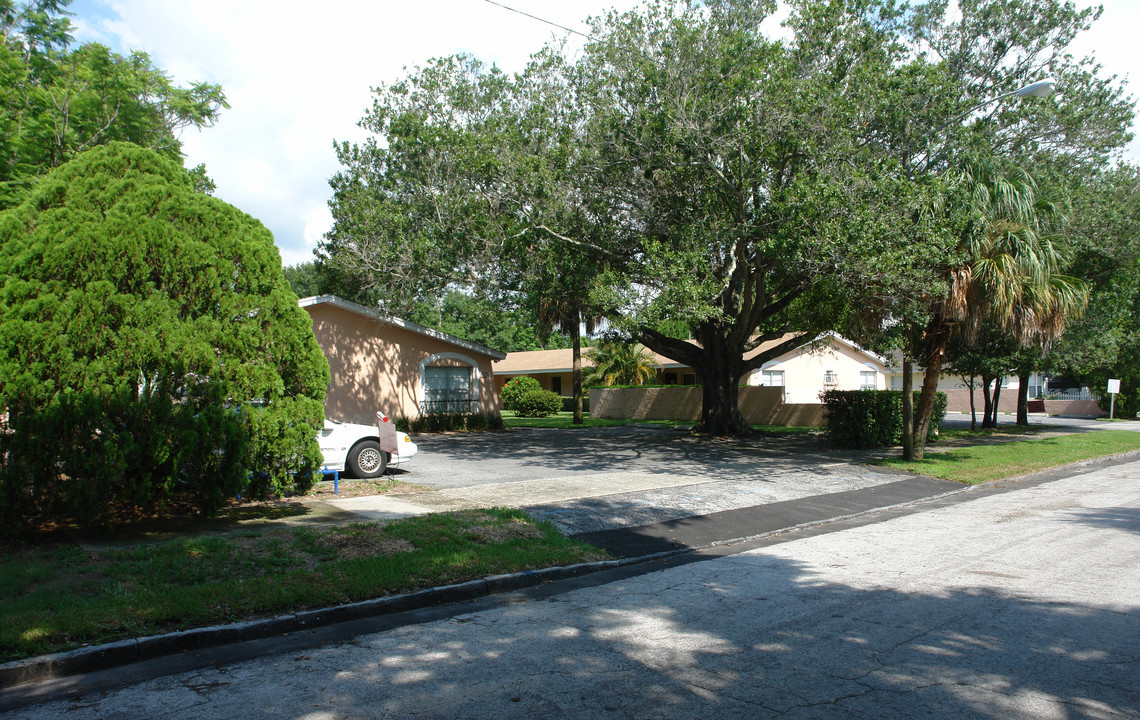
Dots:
(1113, 388)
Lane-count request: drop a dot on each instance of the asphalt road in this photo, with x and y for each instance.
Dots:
(1018, 604)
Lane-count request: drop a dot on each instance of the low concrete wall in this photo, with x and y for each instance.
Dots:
(1075, 408)
(958, 400)
(759, 405)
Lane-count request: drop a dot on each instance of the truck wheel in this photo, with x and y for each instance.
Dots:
(367, 460)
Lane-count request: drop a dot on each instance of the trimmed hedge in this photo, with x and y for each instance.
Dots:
(858, 419)
(568, 403)
(538, 403)
(451, 422)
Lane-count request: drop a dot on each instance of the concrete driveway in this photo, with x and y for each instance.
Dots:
(597, 479)
(463, 460)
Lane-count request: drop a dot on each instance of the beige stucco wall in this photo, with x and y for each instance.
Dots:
(804, 371)
(376, 366)
(759, 405)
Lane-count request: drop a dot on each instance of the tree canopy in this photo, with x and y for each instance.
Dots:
(688, 167)
(150, 348)
(56, 99)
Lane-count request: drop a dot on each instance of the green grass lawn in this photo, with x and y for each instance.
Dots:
(562, 420)
(565, 421)
(991, 462)
(62, 596)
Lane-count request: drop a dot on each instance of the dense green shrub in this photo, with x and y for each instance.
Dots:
(538, 403)
(1127, 401)
(872, 418)
(568, 403)
(451, 422)
(150, 349)
(515, 388)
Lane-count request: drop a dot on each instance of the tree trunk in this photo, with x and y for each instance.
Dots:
(908, 409)
(720, 410)
(987, 402)
(576, 342)
(721, 368)
(997, 396)
(926, 406)
(937, 338)
(973, 408)
(1023, 400)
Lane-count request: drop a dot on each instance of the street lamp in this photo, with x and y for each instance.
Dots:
(1042, 88)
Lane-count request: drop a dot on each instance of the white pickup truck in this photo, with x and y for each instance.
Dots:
(366, 451)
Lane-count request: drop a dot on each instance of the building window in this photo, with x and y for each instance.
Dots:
(830, 378)
(448, 389)
(689, 379)
(556, 384)
(772, 378)
(867, 380)
(671, 378)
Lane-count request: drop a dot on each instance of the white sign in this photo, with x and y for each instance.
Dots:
(1113, 386)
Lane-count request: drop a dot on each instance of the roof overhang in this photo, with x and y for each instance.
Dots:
(374, 314)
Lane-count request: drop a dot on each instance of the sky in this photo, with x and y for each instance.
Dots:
(299, 77)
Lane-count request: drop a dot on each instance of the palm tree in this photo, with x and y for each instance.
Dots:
(617, 362)
(565, 313)
(1011, 275)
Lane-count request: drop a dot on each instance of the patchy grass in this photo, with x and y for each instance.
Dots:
(1003, 430)
(61, 596)
(560, 420)
(565, 421)
(785, 429)
(991, 462)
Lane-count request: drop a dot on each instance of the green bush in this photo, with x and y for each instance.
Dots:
(858, 419)
(568, 403)
(1127, 401)
(451, 422)
(538, 403)
(515, 388)
(151, 351)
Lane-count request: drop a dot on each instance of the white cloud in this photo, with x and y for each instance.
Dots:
(298, 80)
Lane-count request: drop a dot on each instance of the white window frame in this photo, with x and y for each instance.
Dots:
(421, 386)
(770, 374)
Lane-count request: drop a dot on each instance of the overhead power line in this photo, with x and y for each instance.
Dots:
(543, 20)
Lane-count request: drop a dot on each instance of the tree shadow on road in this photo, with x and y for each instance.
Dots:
(764, 637)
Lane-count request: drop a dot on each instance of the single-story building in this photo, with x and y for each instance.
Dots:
(829, 362)
(1074, 403)
(379, 362)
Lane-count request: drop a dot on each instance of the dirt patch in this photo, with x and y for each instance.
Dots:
(359, 488)
(357, 544)
(495, 534)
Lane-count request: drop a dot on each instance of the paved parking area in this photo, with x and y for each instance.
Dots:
(598, 479)
(604, 478)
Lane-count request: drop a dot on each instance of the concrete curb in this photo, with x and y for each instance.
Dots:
(124, 652)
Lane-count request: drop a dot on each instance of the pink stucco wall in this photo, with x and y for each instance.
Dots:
(376, 366)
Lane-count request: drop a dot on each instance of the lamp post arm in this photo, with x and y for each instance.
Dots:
(1041, 88)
